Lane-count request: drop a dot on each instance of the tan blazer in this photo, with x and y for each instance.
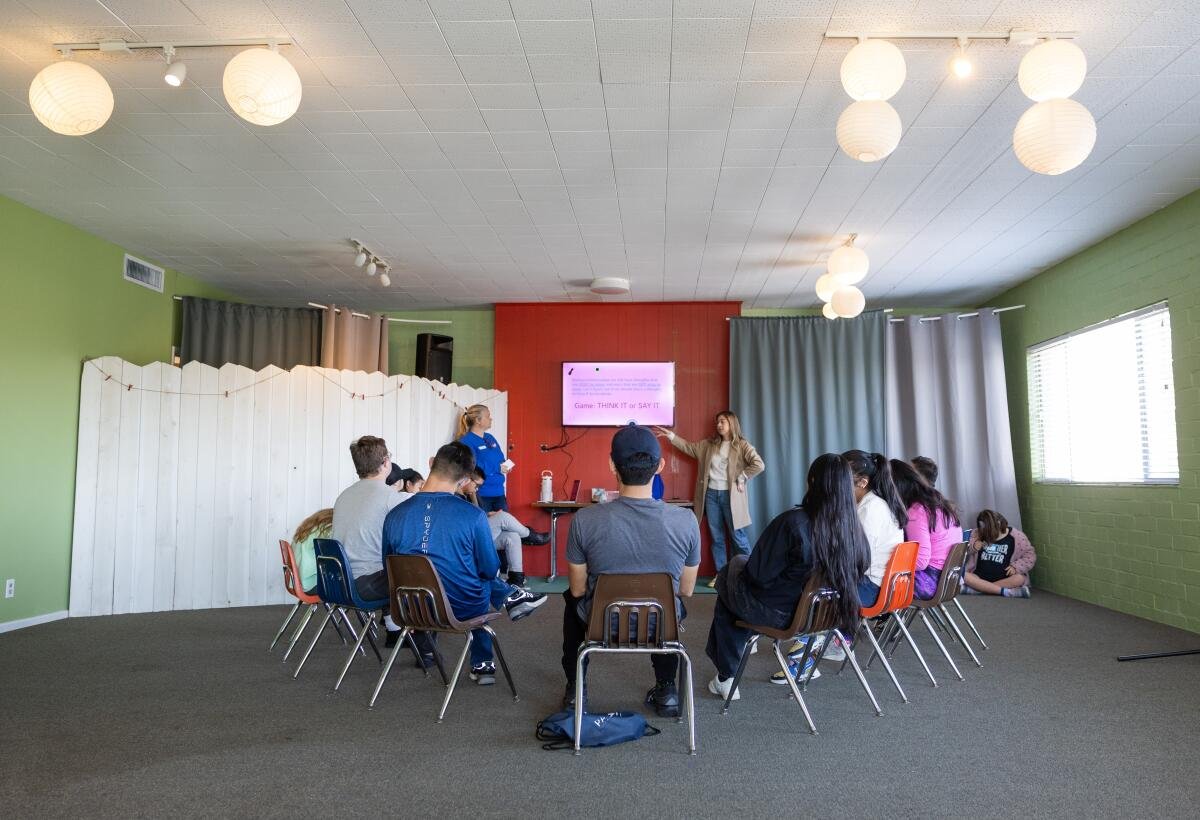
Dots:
(743, 460)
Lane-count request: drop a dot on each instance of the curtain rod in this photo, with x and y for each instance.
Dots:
(365, 316)
(891, 310)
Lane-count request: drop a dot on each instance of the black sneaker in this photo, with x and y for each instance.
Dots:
(522, 602)
(484, 673)
(536, 538)
(665, 697)
(568, 701)
(426, 662)
(392, 638)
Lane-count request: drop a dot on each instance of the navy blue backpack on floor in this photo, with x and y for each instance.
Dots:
(607, 729)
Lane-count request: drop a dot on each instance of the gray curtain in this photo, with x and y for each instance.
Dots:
(803, 386)
(948, 400)
(352, 341)
(217, 333)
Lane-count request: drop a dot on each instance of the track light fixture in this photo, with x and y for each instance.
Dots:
(361, 258)
(176, 69)
(961, 63)
(384, 279)
(372, 266)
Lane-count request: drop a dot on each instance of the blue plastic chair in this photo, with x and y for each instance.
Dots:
(335, 586)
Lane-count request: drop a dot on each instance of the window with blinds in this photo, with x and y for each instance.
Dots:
(1102, 403)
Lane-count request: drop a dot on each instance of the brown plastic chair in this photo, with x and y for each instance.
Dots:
(816, 615)
(623, 607)
(418, 604)
(949, 584)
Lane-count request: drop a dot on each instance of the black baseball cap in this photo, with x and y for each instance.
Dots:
(633, 439)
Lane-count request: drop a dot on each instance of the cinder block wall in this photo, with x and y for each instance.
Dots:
(1131, 548)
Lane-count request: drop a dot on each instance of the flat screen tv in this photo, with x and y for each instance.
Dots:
(612, 394)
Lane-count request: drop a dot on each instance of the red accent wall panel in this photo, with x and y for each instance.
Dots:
(532, 341)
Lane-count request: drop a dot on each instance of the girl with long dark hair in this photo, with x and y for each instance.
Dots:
(881, 513)
(932, 523)
(821, 536)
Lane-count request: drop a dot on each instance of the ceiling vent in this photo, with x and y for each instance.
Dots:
(143, 273)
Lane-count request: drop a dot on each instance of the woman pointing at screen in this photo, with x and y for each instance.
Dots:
(724, 463)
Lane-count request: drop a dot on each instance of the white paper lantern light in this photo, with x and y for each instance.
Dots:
(262, 87)
(826, 285)
(848, 301)
(849, 264)
(70, 98)
(873, 70)
(828, 312)
(1054, 136)
(1052, 71)
(869, 130)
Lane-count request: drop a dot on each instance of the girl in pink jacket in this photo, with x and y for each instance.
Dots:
(932, 523)
(999, 558)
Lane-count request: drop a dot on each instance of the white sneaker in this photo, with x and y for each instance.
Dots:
(834, 653)
(721, 688)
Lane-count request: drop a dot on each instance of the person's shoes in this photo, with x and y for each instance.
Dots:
(797, 649)
(712, 583)
(392, 638)
(797, 675)
(516, 579)
(426, 662)
(568, 701)
(665, 698)
(484, 673)
(522, 602)
(536, 538)
(834, 652)
(1017, 592)
(720, 688)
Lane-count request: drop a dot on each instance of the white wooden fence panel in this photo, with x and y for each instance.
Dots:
(186, 481)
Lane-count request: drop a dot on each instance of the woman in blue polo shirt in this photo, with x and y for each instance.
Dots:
(473, 428)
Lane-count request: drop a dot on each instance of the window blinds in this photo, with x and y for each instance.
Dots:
(1102, 403)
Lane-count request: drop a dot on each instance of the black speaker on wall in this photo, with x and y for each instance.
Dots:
(435, 357)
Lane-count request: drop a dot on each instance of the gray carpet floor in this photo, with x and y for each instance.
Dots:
(186, 714)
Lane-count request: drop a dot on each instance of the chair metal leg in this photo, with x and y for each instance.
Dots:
(387, 667)
(368, 626)
(299, 631)
(503, 663)
(908, 617)
(283, 626)
(689, 700)
(437, 658)
(885, 636)
(941, 645)
(887, 666)
(751, 642)
(580, 659)
(970, 623)
(312, 643)
(340, 618)
(916, 651)
(412, 644)
(961, 638)
(365, 633)
(862, 679)
(454, 680)
(783, 664)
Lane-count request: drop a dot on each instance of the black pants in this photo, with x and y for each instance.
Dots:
(666, 667)
(374, 587)
(736, 603)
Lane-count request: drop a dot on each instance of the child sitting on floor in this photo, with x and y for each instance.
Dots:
(1000, 558)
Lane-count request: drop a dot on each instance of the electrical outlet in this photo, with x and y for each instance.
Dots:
(10, 587)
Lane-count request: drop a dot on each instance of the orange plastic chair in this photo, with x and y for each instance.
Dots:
(291, 582)
(895, 595)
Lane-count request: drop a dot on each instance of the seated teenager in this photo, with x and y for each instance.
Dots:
(317, 525)
(508, 533)
(358, 517)
(932, 523)
(823, 536)
(634, 534)
(454, 534)
(926, 468)
(406, 481)
(1000, 558)
(882, 516)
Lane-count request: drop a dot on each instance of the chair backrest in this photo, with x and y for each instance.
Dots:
(633, 611)
(816, 610)
(291, 575)
(951, 580)
(417, 598)
(335, 584)
(896, 589)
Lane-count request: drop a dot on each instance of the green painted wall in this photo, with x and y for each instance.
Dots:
(474, 336)
(1131, 548)
(65, 301)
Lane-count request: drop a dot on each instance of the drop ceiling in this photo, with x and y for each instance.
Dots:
(510, 150)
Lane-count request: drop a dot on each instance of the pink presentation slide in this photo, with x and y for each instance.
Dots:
(610, 394)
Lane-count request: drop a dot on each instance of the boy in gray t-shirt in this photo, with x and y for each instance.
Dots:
(634, 534)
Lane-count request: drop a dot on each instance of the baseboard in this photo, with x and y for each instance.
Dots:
(9, 626)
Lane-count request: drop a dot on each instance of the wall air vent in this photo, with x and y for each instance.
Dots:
(143, 273)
